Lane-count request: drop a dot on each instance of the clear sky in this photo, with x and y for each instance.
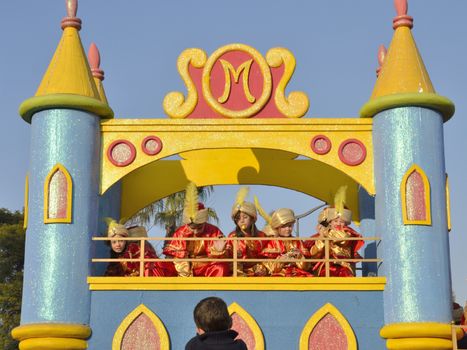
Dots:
(334, 41)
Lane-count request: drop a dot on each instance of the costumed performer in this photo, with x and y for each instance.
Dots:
(195, 217)
(333, 223)
(282, 222)
(244, 216)
(124, 249)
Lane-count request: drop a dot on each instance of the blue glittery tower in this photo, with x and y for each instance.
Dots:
(63, 197)
(410, 203)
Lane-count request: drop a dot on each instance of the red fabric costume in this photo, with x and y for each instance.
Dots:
(249, 250)
(338, 249)
(131, 269)
(293, 249)
(198, 249)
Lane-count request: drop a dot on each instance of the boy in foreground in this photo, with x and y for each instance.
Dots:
(213, 324)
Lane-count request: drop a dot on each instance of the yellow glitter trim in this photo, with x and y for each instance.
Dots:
(52, 336)
(127, 321)
(69, 194)
(267, 82)
(297, 103)
(419, 344)
(64, 101)
(426, 100)
(251, 322)
(448, 204)
(236, 283)
(427, 199)
(174, 104)
(26, 202)
(317, 316)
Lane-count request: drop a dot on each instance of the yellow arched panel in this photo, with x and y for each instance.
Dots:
(132, 316)
(251, 322)
(69, 194)
(140, 189)
(317, 316)
(349, 143)
(427, 198)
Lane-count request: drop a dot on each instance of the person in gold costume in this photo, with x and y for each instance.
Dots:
(244, 216)
(281, 223)
(195, 217)
(333, 223)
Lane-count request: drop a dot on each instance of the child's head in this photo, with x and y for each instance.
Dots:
(282, 221)
(116, 231)
(211, 315)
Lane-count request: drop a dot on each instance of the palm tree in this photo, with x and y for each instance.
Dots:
(168, 212)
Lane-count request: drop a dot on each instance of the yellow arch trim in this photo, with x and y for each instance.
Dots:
(69, 181)
(258, 334)
(127, 321)
(317, 316)
(426, 186)
(448, 204)
(26, 202)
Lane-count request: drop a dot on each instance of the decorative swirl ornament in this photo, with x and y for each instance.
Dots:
(297, 103)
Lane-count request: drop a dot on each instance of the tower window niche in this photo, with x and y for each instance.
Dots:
(415, 196)
(58, 191)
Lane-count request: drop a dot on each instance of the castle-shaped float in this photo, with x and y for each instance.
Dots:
(237, 119)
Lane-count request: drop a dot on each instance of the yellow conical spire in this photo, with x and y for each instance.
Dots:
(68, 81)
(403, 79)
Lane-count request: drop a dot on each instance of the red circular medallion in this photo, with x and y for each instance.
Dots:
(352, 152)
(151, 145)
(121, 153)
(320, 144)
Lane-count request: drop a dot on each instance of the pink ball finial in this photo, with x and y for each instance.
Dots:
(381, 56)
(71, 20)
(94, 59)
(402, 19)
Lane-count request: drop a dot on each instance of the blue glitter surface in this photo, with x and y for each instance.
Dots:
(416, 257)
(57, 255)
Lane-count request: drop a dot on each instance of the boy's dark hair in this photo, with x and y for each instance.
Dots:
(211, 315)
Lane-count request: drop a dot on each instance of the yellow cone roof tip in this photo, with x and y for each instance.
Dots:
(402, 78)
(68, 81)
(94, 59)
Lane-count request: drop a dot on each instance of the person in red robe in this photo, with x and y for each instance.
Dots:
(282, 222)
(333, 223)
(195, 217)
(244, 215)
(124, 249)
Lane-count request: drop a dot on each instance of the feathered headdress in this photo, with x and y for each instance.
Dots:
(193, 212)
(115, 228)
(241, 205)
(338, 210)
(261, 212)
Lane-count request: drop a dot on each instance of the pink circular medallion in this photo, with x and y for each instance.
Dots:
(352, 152)
(121, 153)
(151, 145)
(320, 144)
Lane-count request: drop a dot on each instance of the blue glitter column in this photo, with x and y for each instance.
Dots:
(57, 259)
(416, 257)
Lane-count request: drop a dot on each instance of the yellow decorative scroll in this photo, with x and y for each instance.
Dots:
(245, 68)
(174, 103)
(297, 103)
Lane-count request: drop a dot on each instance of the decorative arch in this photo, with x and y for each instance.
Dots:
(327, 320)
(415, 196)
(26, 202)
(247, 327)
(141, 325)
(448, 204)
(58, 193)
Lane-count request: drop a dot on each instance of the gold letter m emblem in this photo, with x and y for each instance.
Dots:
(245, 68)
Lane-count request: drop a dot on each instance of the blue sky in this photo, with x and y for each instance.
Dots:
(335, 44)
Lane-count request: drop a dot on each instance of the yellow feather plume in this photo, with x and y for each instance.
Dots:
(191, 201)
(339, 199)
(261, 212)
(241, 195)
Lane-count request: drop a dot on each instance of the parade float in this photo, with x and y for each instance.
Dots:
(235, 124)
